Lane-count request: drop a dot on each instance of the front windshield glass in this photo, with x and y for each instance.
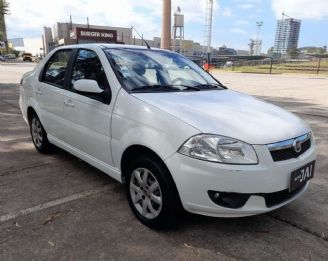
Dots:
(153, 70)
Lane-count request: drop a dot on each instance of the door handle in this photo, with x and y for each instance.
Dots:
(69, 103)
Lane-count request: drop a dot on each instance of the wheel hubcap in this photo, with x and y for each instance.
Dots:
(145, 193)
(37, 132)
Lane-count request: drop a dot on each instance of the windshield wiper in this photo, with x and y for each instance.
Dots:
(167, 87)
(156, 87)
(188, 87)
(210, 86)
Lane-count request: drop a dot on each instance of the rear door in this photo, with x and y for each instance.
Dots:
(49, 92)
(88, 115)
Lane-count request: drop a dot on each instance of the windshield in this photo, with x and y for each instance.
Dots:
(159, 70)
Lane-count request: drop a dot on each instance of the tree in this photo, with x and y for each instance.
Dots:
(293, 52)
(4, 9)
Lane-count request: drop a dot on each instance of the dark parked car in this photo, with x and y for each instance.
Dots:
(27, 57)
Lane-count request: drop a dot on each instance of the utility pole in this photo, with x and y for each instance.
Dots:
(258, 42)
(208, 29)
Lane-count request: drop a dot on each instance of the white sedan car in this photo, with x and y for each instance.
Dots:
(177, 137)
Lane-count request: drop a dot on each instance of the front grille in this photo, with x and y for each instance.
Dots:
(288, 149)
(289, 153)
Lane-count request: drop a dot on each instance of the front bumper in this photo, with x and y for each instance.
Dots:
(195, 178)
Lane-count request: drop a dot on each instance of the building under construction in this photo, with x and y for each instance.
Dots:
(287, 35)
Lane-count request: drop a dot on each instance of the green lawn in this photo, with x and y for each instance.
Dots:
(303, 68)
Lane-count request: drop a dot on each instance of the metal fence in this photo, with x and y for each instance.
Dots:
(313, 65)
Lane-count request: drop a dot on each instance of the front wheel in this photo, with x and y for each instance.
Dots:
(151, 193)
(39, 135)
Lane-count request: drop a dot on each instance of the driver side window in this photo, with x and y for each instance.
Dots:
(88, 66)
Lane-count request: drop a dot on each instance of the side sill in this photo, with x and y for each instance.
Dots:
(109, 170)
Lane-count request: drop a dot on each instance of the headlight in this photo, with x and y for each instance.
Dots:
(219, 149)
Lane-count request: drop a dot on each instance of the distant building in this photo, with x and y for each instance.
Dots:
(47, 39)
(70, 33)
(312, 50)
(287, 35)
(17, 44)
(223, 50)
(242, 52)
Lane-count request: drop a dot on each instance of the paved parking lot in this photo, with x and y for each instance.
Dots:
(56, 207)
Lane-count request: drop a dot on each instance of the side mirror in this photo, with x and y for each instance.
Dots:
(85, 85)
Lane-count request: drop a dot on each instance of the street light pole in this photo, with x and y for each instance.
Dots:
(258, 45)
(259, 24)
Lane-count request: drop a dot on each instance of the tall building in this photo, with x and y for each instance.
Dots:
(286, 35)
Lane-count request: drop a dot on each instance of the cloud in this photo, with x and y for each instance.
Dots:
(302, 9)
(227, 11)
(238, 31)
(245, 6)
(241, 22)
(248, 1)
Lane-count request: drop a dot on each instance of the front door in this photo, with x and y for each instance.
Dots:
(89, 115)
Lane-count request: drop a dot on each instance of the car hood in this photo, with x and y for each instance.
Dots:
(229, 113)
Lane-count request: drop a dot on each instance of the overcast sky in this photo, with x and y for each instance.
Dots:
(233, 20)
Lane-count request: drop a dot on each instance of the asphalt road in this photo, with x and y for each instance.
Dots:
(56, 207)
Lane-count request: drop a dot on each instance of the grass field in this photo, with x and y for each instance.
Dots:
(295, 67)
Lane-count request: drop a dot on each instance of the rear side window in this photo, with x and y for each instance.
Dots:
(56, 68)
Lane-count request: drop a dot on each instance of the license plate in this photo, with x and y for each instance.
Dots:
(301, 176)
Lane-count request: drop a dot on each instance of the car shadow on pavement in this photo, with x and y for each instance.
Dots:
(299, 106)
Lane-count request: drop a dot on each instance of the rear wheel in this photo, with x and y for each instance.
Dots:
(39, 135)
(151, 193)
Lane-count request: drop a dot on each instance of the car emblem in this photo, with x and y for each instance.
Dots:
(297, 144)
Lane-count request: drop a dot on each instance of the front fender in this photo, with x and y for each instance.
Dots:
(135, 122)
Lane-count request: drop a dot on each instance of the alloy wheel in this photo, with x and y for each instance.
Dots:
(145, 193)
(37, 134)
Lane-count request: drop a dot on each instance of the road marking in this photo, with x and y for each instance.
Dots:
(17, 138)
(10, 114)
(56, 202)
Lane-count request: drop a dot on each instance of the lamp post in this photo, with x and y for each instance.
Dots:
(258, 44)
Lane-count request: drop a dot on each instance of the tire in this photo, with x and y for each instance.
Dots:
(156, 206)
(39, 135)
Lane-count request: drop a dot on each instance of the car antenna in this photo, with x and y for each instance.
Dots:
(148, 46)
